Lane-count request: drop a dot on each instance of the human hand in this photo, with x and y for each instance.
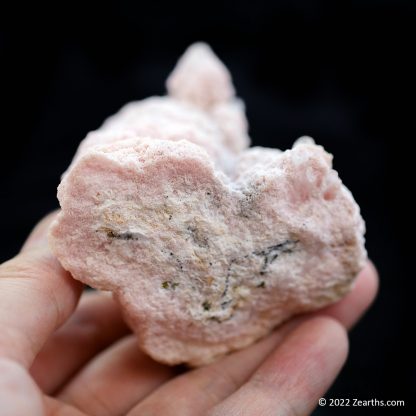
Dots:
(60, 357)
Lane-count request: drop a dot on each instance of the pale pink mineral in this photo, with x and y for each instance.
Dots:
(207, 245)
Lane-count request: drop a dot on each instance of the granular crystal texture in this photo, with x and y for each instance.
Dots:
(206, 244)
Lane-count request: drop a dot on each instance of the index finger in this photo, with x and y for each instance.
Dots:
(36, 296)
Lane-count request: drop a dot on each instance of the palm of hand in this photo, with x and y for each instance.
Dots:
(61, 357)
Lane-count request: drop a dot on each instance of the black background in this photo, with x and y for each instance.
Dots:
(338, 72)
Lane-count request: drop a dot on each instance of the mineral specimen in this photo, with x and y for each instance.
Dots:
(206, 244)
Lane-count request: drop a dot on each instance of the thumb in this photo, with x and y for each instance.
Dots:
(19, 395)
(39, 235)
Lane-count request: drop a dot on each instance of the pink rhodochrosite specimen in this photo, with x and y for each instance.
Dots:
(206, 244)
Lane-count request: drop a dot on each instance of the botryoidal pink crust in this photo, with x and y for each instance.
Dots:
(206, 244)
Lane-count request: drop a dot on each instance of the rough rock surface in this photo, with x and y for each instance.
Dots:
(207, 245)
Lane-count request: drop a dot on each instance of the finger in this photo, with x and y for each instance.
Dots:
(36, 296)
(349, 309)
(200, 389)
(115, 380)
(39, 235)
(295, 376)
(208, 385)
(54, 407)
(19, 394)
(96, 324)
